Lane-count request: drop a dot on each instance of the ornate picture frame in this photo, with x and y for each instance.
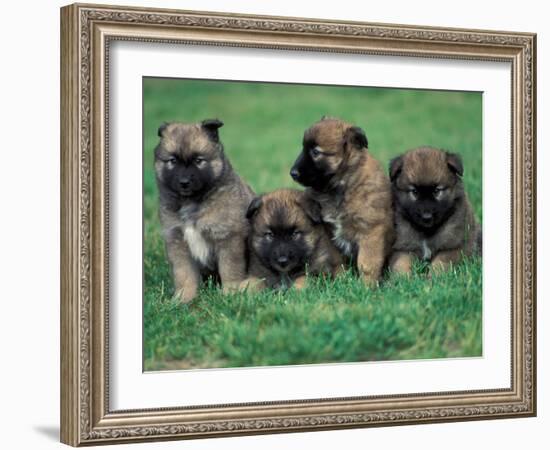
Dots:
(87, 32)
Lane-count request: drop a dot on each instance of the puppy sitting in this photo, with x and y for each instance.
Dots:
(287, 236)
(433, 216)
(352, 189)
(202, 207)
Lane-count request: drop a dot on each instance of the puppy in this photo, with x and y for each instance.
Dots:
(433, 216)
(353, 191)
(203, 203)
(286, 237)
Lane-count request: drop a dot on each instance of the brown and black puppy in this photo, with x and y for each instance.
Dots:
(353, 190)
(286, 238)
(433, 216)
(203, 203)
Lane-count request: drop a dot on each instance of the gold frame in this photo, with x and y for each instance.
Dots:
(86, 31)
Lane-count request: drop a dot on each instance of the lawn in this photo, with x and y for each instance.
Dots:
(331, 320)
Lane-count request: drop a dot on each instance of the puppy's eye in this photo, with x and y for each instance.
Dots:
(199, 161)
(268, 235)
(315, 152)
(296, 235)
(172, 160)
(438, 192)
(413, 193)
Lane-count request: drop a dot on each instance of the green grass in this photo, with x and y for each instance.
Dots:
(331, 320)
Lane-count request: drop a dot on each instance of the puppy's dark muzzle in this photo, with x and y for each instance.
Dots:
(187, 187)
(427, 219)
(295, 172)
(284, 263)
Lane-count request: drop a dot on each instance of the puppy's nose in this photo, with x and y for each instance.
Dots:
(185, 183)
(295, 173)
(282, 260)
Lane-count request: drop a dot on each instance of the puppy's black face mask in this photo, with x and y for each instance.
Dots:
(189, 158)
(311, 169)
(326, 149)
(427, 193)
(189, 177)
(426, 207)
(282, 249)
(283, 233)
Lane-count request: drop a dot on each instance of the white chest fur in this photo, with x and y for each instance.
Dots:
(426, 251)
(345, 246)
(200, 249)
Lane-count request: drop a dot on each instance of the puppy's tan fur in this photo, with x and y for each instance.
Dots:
(204, 235)
(291, 209)
(357, 201)
(458, 234)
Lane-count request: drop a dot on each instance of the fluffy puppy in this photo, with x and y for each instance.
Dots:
(286, 239)
(433, 216)
(202, 207)
(352, 189)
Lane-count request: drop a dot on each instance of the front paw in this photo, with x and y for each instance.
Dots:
(252, 284)
(401, 263)
(300, 283)
(185, 294)
(370, 273)
(438, 267)
(370, 282)
(231, 287)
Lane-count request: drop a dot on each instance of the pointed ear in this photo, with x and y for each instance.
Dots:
(211, 127)
(162, 128)
(454, 163)
(312, 208)
(253, 208)
(396, 166)
(356, 138)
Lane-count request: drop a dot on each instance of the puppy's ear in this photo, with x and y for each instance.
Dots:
(253, 208)
(454, 163)
(162, 129)
(211, 127)
(312, 208)
(355, 137)
(396, 166)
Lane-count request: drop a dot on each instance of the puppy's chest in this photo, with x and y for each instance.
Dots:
(336, 220)
(417, 243)
(425, 250)
(412, 241)
(199, 245)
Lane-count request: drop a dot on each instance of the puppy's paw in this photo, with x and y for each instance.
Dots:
(338, 269)
(252, 284)
(438, 267)
(300, 283)
(370, 276)
(401, 263)
(231, 287)
(185, 295)
(370, 281)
